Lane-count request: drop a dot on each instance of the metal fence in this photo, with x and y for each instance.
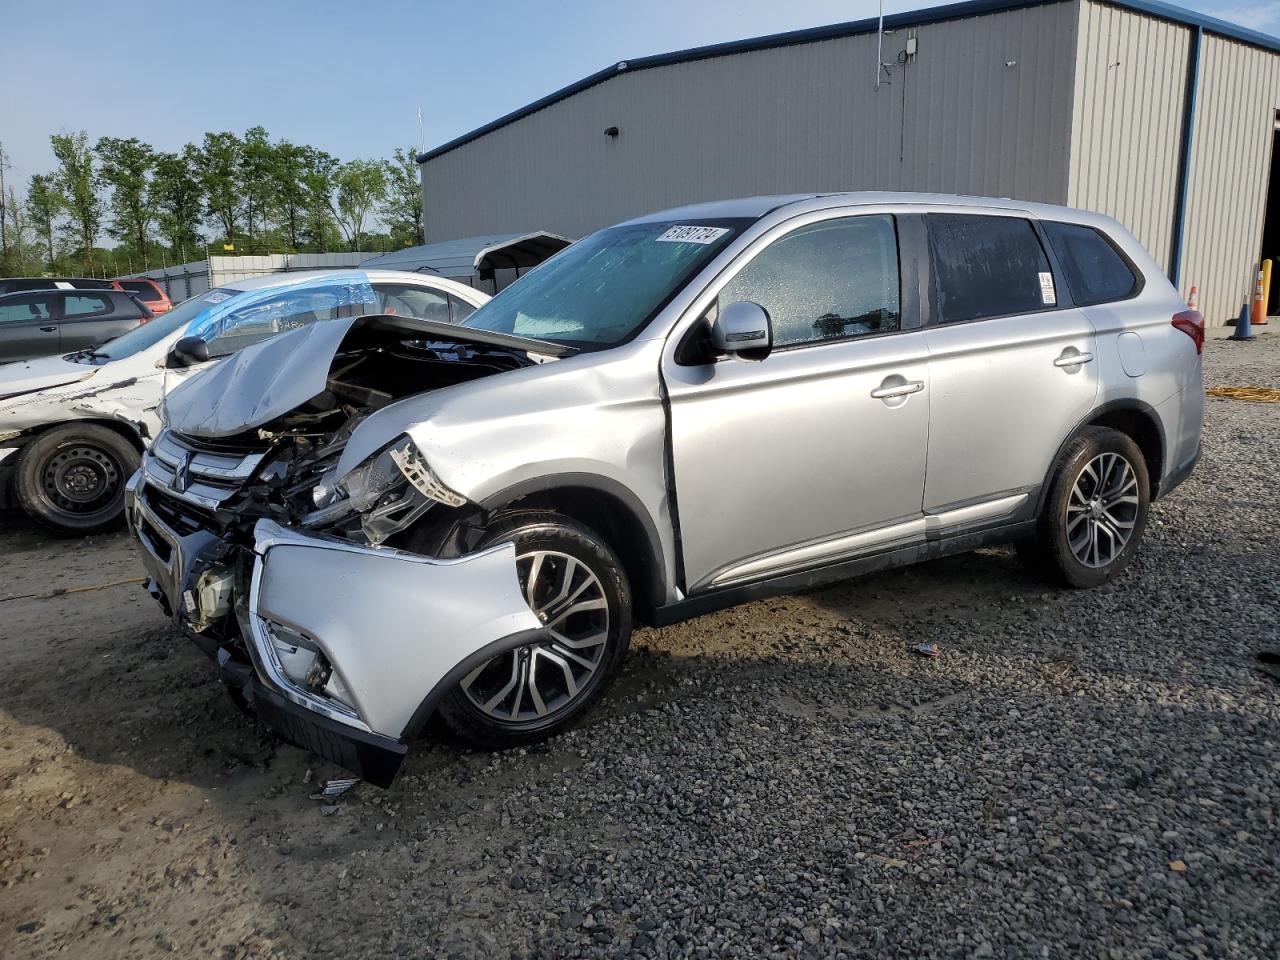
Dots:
(185, 280)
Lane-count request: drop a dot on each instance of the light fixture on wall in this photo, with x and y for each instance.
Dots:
(611, 132)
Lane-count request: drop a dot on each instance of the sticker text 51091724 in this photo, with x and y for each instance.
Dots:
(692, 234)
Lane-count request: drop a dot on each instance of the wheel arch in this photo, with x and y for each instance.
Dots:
(612, 510)
(121, 427)
(1136, 420)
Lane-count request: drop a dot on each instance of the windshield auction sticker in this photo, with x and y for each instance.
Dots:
(692, 234)
(217, 297)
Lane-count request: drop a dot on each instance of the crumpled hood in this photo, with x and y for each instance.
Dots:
(258, 384)
(276, 376)
(25, 376)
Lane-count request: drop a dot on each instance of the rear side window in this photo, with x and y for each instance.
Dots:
(144, 290)
(1095, 270)
(82, 306)
(988, 267)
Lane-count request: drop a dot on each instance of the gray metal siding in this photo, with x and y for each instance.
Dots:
(1130, 86)
(781, 120)
(1230, 163)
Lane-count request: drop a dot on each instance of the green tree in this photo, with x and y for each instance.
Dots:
(178, 201)
(289, 192)
(79, 185)
(126, 167)
(44, 206)
(361, 187)
(218, 167)
(403, 210)
(319, 169)
(256, 180)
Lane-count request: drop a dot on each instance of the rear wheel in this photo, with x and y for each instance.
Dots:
(574, 583)
(71, 479)
(1095, 511)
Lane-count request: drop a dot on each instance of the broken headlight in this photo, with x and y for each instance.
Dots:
(371, 484)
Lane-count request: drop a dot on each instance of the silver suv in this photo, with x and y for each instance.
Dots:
(373, 519)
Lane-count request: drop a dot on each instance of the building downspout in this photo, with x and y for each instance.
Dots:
(1184, 161)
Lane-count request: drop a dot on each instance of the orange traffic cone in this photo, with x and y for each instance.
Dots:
(1193, 300)
(1259, 301)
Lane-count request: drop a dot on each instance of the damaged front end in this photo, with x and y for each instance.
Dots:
(341, 605)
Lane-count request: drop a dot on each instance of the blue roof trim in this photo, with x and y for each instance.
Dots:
(897, 21)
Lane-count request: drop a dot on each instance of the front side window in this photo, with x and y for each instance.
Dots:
(82, 306)
(290, 310)
(988, 267)
(31, 307)
(1095, 270)
(827, 281)
(604, 289)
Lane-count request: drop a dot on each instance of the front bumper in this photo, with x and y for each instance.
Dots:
(398, 629)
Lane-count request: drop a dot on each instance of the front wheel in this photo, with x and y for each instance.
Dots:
(574, 583)
(71, 478)
(1095, 511)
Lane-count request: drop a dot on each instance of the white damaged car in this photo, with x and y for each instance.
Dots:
(73, 427)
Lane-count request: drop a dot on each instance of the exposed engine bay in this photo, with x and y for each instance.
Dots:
(278, 558)
(296, 485)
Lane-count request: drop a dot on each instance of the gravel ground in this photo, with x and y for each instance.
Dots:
(1080, 773)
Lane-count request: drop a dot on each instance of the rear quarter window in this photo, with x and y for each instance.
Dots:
(988, 267)
(1095, 270)
(144, 291)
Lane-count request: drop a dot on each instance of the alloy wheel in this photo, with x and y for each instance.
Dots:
(1102, 510)
(535, 682)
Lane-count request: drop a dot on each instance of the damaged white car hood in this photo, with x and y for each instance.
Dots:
(24, 376)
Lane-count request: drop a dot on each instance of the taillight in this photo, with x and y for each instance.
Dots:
(1191, 322)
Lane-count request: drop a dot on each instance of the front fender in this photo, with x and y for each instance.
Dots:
(394, 625)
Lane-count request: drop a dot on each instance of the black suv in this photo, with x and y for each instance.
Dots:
(39, 323)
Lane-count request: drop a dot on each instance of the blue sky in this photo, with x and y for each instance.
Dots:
(350, 76)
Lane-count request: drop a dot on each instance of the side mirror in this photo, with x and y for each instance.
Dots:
(187, 352)
(743, 330)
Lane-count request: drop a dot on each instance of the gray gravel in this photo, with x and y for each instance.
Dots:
(1079, 774)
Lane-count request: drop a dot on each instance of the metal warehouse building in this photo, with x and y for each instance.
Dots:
(1155, 115)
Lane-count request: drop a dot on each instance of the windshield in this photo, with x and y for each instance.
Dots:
(602, 290)
(151, 333)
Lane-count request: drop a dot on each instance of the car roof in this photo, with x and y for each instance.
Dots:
(757, 207)
(62, 292)
(312, 277)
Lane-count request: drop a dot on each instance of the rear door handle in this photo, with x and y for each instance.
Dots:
(898, 390)
(49, 329)
(1072, 359)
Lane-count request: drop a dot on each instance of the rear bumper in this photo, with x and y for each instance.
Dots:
(1179, 474)
(343, 650)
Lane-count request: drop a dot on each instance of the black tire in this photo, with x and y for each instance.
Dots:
(555, 536)
(1063, 550)
(71, 479)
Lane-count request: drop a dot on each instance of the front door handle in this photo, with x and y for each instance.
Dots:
(1069, 359)
(49, 329)
(883, 392)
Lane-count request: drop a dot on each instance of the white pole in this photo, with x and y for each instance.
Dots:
(879, 45)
